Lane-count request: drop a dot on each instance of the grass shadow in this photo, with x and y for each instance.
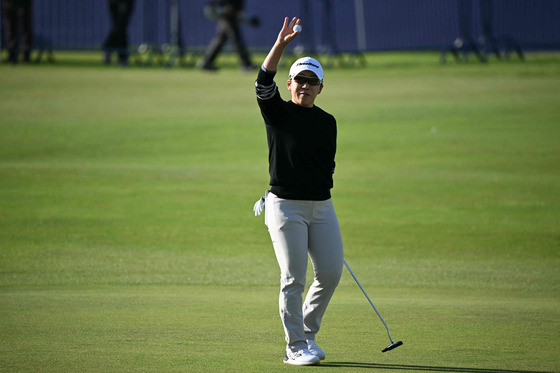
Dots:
(421, 368)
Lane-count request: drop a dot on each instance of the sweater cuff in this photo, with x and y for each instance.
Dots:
(266, 77)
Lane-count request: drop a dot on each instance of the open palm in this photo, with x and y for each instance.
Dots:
(287, 34)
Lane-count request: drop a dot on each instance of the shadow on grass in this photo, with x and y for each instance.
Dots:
(420, 368)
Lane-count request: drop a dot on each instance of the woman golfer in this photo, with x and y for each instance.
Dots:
(299, 211)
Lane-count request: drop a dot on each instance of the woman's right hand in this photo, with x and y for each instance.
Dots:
(287, 34)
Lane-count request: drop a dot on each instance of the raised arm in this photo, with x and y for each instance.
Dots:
(285, 37)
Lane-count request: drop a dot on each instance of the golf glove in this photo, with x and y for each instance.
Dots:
(259, 205)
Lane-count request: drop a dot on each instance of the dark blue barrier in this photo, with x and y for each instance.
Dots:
(329, 25)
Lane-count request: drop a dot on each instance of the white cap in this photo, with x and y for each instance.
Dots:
(306, 63)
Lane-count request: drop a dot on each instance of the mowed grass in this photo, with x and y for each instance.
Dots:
(128, 241)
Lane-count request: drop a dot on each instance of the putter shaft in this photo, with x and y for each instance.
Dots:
(393, 344)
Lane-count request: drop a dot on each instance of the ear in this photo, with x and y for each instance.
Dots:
(289, 84)
(320, 88)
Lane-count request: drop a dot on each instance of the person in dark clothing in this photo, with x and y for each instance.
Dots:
(299, 214)
(18, 14)
(227, 13)
(117, 40)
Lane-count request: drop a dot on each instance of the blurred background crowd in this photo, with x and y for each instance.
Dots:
(195, 32)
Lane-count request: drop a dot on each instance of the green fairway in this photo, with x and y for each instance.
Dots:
(128, 241)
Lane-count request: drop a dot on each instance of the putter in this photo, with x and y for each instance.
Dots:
(393, 343)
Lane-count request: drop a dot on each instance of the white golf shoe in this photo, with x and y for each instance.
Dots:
(301, 357)
(315, 350)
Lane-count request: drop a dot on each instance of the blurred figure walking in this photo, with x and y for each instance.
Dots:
(228, 14)
(117, 40)
(18, 21)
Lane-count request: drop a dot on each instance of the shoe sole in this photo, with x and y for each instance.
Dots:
(293, 362)
(301, 364)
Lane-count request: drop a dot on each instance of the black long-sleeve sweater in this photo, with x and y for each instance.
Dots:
(301, 144)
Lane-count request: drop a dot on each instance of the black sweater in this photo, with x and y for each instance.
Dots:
(301, 144)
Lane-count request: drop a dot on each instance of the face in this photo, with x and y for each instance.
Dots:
(304, 94)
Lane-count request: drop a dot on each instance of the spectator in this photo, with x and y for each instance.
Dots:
(117, 40)
(18, 19)
(228, 14)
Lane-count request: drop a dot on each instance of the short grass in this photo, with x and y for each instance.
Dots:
(128, 242)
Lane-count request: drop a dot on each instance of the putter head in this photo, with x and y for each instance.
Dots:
(392, 346)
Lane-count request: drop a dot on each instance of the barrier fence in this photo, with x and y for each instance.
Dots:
(330, 26)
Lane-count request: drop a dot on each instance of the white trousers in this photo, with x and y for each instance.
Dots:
(299, 229)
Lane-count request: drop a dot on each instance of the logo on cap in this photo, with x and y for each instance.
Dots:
(308, 63)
